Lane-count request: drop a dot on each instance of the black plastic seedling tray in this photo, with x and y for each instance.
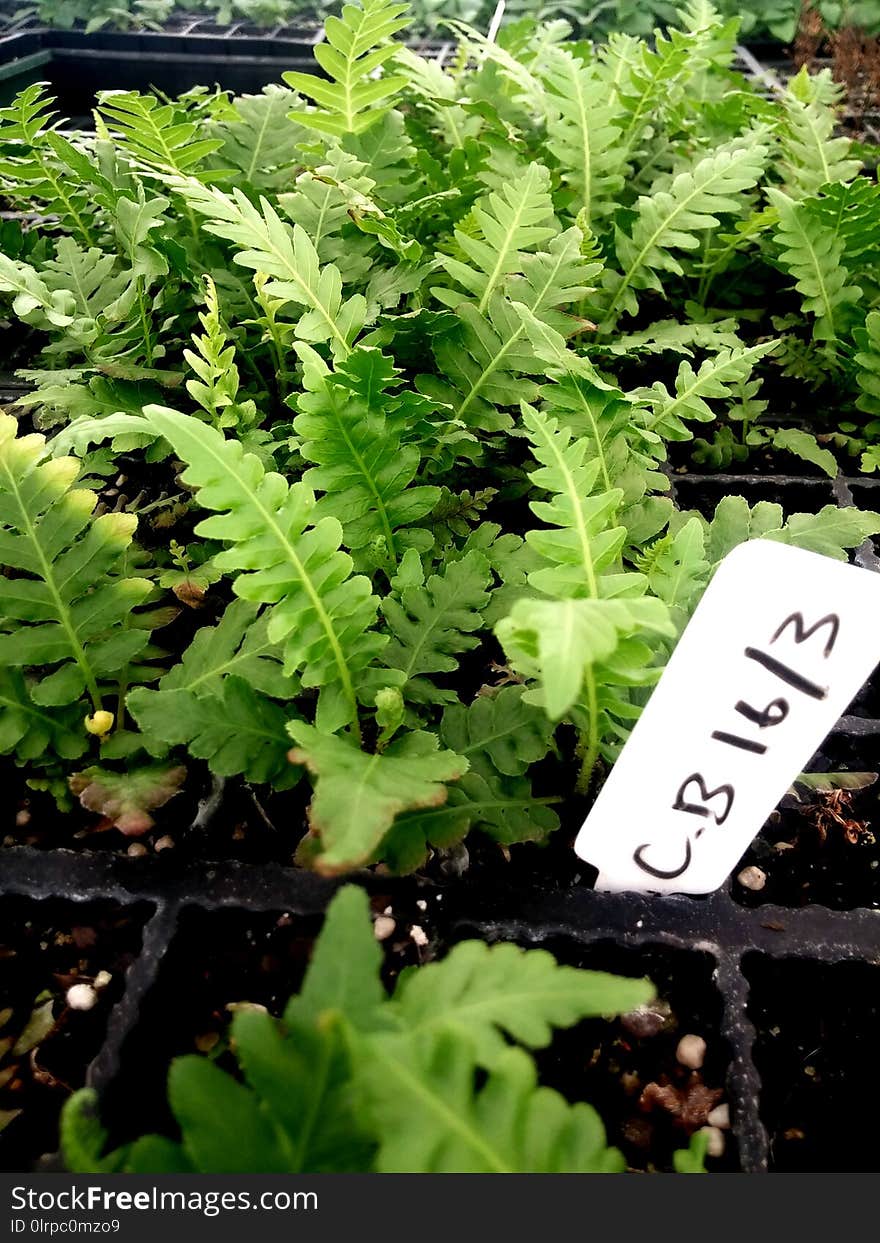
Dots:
(76, 65)
(784, 992)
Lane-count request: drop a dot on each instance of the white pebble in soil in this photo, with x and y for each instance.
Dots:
(418, 935)
(102, 979)
(752, 878)
(691, 1051)
(383, 926)
(81, 997)
(715, 1141)
(720, 1117)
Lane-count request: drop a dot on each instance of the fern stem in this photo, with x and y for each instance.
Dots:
(590, 742)
(145, 323)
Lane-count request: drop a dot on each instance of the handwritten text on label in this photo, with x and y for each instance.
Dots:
(781, 642)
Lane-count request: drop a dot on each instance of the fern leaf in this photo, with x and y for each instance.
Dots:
(357, 795)
(582, 134)
(484, 364)
(236, 730)
(30, 170)
(583, 543)
(500, 733)
(867, 362)
(677, 569)
(34, 302)
(624, 450)
(348, 429)
(812, 254)
(288, 257)
(263, 140)
(434, 622)
(356, 46)
(336, 205)
(507, 223)
(28, 730)
(154, 134)
(714, 379)
(508, 1124)
(830, 532)
(561, 643)
(216, 388)
(321, 614)
(674, 218)
(645, 82)
(505, 809)
(217, 701)
(812, 156)
(53, 614)
(486, 992)
(499, 736)
(849, 213)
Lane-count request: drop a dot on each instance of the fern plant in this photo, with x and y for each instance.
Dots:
(424, 1081)
(388, 366)
(65, 635)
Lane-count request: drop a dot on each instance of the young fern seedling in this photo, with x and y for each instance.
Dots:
(437, 1078)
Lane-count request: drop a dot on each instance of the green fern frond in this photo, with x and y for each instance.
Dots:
(29, 731)
(812, 253)
(30, 170)
(218, 700)
(361, 465)
(812, 156)
(357, 796)
(714, 380)
(69, 636)
(156, 135)
(356, 46)
(492, 994)
(216, 389)
(507, 1124)
(850, 213)
(647, 81)
(582, 542)
(606, 420)
(578, 650)
(433, 622)
(322, 615)
(506, 224)
(484, 364)
(500, 736)
(236, 730)
(676, 216)
(867, 362)
(263, 140)
(267, 245)
(582, 134)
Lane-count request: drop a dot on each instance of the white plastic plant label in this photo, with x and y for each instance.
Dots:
(780, 644)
